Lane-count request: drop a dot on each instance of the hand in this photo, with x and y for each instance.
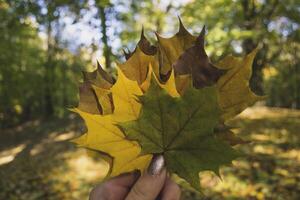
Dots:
(154, 184)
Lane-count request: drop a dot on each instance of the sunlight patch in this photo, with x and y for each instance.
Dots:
(87, 168)
(64, 136)
(9, 155)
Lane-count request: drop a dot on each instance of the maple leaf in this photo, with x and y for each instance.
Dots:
(104, 136)
(137, 62)
(169, 49)
(234, 92)
(168, 99)
(144, 45)
(94, 95)
(194, 61)
(88, 99)
(182, 129)
(136, 67)
(194, 65)
(226, 134)
(231, 74)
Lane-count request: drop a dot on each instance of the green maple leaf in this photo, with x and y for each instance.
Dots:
(182, 129)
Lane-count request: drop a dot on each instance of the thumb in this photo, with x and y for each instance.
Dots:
(150, 183)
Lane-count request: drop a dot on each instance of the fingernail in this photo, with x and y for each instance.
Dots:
(157, 165)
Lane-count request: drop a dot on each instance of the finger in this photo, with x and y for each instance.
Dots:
(125, 180)
(149, 185)
(119, 186)
(171, 191)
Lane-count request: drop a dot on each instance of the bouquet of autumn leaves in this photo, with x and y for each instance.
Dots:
(167, 99)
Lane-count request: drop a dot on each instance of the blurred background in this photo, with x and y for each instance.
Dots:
(44, 45)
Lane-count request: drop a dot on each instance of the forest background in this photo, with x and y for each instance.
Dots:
(45, 44)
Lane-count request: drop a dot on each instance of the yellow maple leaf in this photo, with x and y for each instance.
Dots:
(137, 62)
(103, 135)
(104, 98)
(136, 67)
(161, 61)
(171, 48)
(234, 92)
(124, 93)
(92, 100)
(102, 79)
(170, 85)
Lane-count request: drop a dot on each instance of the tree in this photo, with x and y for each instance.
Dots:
(34, 80)
(103, 7)
(20, 57)
(50, 20)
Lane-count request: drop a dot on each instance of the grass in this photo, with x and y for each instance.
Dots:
(38, 162)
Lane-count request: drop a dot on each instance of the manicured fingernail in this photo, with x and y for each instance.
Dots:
(157, 165)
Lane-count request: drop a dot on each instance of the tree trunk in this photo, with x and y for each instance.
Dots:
(104, 39)
(249, 44)
(48, 109)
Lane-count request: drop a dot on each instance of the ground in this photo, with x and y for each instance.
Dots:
(37, 161)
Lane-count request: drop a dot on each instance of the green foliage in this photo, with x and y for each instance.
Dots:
(24, 75)
(284, 87)
(283, 78)
(20, 59)
(182, 129)
(234, 26)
